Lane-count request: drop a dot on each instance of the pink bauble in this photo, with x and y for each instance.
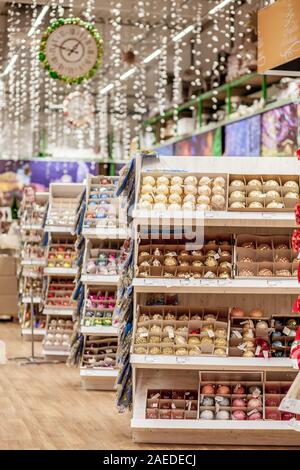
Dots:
(239, 402)
(239, 389)
(255, 416)
(286, 416)
(254, 403)
(239, 415)
(272, 401)
(273, 414)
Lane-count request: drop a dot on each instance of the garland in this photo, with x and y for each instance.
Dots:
(75, 21)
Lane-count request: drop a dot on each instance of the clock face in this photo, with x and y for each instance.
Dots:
(71, 50)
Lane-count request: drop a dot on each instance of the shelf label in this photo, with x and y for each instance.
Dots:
(149, 359)
(181, 360)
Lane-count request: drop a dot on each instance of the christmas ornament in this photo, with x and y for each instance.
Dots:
(78, 109)
(71, 50)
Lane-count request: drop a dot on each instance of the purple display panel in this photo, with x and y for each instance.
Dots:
(208, 144)
(280, 131)
(41, 173)
(165, 150)
(183, 148)
(243, 138)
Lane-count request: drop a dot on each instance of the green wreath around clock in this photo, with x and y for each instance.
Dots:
(71, 50)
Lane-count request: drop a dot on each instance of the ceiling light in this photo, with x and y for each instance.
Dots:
(218, 7)
(38, 20)
(128, 73)
(152, 56)
(107, 89)
(183, 33)
(10, 64)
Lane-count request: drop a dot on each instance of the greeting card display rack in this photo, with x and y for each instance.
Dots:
(155, 370)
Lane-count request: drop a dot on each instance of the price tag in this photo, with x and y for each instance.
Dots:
(274, 283)
(155, 397)
(267, 215)
(210, 333)
(265, 354)
(209, 215)
(257, 350)
(144, 335)
(173, 406)
(185, 282)
(242, 346)
(149, 359)
(286, 331)
(109, 351)
(171, 334)
(252, 411)
(181, 360)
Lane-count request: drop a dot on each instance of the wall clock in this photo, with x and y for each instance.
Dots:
(71, 50)
(78, 109)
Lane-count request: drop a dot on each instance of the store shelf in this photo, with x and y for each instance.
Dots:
(49, 352)
(216, 218)
(59, 229)
(99, 330)
(214, 424)
(32, 227)
(67, 312)
(95, 279)
(39, 262)
(35, 300)
(61, 271)
(36, 331)
(259, 433)
(210, 363)
(103, 232)
(98, 372)
(218, 286)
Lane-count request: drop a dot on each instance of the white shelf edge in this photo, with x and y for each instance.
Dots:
(58, 312)
(267, 286)
(195, 424)
(61, 271)
(36, 331)
(48, 352)
(32, 227)
(59, 229)
(33, 263)
(98, 372)
(27, 300)
(99, 330)
(99, 280)
(104, 233)
(214, 362)
(242, 218)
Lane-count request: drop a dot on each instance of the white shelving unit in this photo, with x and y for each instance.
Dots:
(163, 371)
(99, 330)
(105, 378)
(32, 220)
(65, 199)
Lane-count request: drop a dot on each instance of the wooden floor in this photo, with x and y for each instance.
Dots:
(43, 407)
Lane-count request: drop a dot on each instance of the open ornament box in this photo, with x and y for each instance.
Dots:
(64, 207)
(170, 422)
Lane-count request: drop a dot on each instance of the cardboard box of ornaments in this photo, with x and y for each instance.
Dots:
(8, 284)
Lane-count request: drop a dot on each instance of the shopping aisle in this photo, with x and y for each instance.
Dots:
(43, 407)
(38, 404)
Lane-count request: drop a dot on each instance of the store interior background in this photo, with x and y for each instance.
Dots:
(200, 95)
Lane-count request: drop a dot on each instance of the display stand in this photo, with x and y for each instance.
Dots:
(65, 205)
(273, 295)
(100, 241)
